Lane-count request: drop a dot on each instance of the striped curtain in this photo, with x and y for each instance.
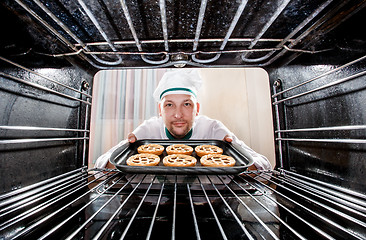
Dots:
(122, 99)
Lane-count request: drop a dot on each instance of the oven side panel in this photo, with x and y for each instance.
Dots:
(330, 114)
(38, 122)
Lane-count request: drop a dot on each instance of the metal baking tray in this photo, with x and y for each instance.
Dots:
(242, 157)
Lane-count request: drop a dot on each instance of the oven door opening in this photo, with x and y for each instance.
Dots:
(285, 76)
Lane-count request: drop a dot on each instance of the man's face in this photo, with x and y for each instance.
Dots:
(178, 112)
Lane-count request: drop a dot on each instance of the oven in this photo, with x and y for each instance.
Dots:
(314, 53)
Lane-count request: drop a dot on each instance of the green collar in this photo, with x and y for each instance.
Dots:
(171, 137)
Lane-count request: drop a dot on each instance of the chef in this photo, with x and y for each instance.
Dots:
(179, 118)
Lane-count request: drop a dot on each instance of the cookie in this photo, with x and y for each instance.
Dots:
(179, 160)
(151, 148)
(207, 149)
(179, 149)
(217, 160)
(143, 159)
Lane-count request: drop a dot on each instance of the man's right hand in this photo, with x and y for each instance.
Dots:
(131, 138)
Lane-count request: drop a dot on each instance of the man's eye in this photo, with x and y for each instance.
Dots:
(168, 105)
(187, 104)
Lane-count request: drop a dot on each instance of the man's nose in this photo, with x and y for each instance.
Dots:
(178, 113)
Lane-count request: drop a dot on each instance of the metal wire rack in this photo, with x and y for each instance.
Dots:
(106, 204)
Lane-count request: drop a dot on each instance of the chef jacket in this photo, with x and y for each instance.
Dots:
(203, 128)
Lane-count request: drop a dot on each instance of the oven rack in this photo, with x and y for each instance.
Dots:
(106, 204)
(42, 82)
(110, 52)
(303, 91)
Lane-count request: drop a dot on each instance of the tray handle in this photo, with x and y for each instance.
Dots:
(120, 149)
(244, 152)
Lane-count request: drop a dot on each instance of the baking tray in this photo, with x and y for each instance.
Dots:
(242, 157)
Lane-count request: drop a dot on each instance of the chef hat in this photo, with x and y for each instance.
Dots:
(183, 81)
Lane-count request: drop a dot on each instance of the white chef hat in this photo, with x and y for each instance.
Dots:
(183, 81)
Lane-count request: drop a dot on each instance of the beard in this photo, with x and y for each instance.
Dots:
(179, 130)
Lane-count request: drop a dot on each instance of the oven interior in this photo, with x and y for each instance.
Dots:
(314, 53)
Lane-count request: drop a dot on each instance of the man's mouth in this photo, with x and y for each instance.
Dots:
(179, 124)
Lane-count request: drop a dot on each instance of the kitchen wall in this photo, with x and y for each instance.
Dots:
(240, 98)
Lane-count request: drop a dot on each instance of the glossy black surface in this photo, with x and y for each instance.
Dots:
(22, 105)
(334, 31)
(340, 105)
(182, 207)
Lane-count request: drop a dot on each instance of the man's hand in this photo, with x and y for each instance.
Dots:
(131, 138)
(252, 168)
(228, 138)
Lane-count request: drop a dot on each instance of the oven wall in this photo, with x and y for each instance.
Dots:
(343, 104)
(23, 105)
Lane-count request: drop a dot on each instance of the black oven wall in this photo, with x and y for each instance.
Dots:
(320, 100)
(38, 122)
(43, 104)
(326, 112)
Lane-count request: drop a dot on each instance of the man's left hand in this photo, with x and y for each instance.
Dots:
(228, 138)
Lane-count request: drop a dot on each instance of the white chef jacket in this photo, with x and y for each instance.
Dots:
(203, 128)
